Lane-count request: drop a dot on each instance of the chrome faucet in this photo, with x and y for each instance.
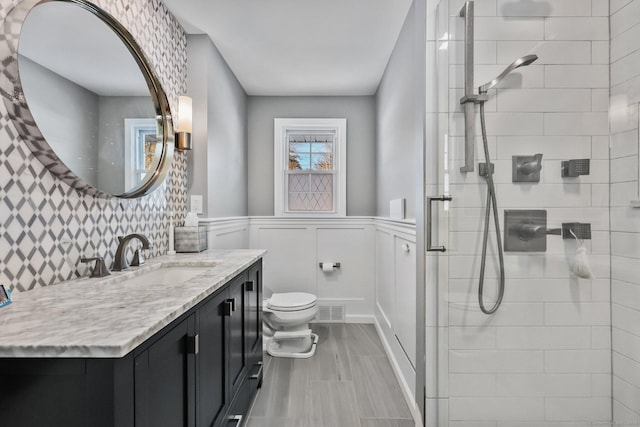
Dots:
(120, 259)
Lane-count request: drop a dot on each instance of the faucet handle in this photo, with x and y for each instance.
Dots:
(100, 269)
(138, 258)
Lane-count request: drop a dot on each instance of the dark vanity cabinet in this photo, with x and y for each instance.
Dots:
(202, 370)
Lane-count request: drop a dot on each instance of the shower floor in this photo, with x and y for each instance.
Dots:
(348, 383)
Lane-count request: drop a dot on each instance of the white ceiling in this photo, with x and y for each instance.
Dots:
(299, 47)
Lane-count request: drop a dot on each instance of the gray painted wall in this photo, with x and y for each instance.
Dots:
(217, 166)
(360, 113)
(396, 126)
(112, 110)
(66, 114)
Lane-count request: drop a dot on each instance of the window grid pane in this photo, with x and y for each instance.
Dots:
(311, 192)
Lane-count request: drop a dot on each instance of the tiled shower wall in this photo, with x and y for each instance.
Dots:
(544, 358)
(625, 221)
(46, 226)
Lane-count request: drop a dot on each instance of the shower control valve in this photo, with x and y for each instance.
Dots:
(526, 168)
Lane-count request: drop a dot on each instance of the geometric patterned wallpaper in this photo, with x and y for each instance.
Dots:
(45, 225)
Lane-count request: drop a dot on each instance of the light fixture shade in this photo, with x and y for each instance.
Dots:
(185, 115)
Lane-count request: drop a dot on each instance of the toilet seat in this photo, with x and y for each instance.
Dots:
(291, 301)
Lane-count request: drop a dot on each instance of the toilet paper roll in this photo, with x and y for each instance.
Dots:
(327, 267)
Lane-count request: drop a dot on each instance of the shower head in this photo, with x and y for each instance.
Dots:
(520, 62)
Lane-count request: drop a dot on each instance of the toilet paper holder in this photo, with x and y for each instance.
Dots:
(335, 264)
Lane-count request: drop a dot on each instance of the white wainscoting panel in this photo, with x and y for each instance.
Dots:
(405, 296)
(227, 233)
(385, 277)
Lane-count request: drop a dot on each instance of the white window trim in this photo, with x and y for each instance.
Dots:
(281, 161)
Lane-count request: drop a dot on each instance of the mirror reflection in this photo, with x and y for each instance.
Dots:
(88, 97)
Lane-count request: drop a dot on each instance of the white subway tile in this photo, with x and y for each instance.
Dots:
(600, 195)
(625, 219)
(600, 337)
(545, 424)
(553, 147)
(554, 8)
(616, 5)
(601, 385)
(576, 124)
(626, 93)
(627, 394)
(600, 8)
(625, 68)
(600, 52)
(548, 51)
(624, 144)
(535, 338)
(508, 29)
(571, 409)
(544, 385)
(576, 76)
(621, 413)
(623, 193)
(484, 52)
(623, 117)
(626, 245)
(472, 385)
(625, 43)
(576, 28)
(467, 195)
(577, 361)
(585, 314)
(509, 314)
(600, 147)
(545, 100)
(625, 269)
(623, 18)
(625, 343)
(472, 337)
(626, 369)
(624, 169)
(601, 289)
(600, 100)
(626, 294)
(626, 319)
(535, 196)
(493, 361)
(483, 408)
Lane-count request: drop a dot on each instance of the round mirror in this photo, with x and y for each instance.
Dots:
(102, 121)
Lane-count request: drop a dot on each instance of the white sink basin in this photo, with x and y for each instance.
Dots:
(167, 276)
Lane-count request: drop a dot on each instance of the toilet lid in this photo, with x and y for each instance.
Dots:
(291, 301)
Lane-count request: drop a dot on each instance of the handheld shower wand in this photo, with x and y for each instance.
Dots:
(491, 203)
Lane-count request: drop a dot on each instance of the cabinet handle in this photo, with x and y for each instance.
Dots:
(430, 200)
(250, 286)
(237, 419)
(193, 344)
(257, 374)
(228, 307)
(233, 304)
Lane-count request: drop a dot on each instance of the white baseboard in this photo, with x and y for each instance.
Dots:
(406, 390)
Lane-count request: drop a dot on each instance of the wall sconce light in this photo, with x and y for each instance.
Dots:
(185, 124)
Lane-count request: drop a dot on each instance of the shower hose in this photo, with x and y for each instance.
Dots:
(490, 204)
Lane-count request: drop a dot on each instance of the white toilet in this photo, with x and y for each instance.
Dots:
(286, 324)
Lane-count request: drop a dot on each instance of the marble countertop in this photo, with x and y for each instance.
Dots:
(110, 316)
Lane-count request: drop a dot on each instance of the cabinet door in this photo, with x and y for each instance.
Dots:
(253, 311)
(213, 396)
(165, 380)
(237, 364)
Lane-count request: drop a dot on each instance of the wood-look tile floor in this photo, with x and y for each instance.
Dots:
(347, 383)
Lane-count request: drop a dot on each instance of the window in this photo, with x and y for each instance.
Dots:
(141, 137)
(310, 167)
